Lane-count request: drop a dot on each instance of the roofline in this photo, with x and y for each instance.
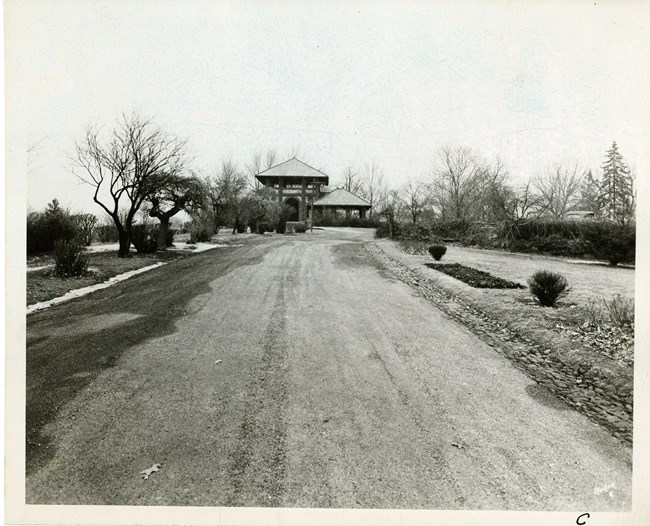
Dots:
(342, 206)
(303, 162)
(345, 190)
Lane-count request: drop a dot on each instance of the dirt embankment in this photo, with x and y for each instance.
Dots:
(595, 385)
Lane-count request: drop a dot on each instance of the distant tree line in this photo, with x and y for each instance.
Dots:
(471, 201)
(139, 172)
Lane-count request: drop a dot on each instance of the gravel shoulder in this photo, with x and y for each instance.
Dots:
(594, 383)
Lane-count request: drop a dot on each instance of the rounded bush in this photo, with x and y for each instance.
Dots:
(548, 287)
(437, 251)
(145, 238)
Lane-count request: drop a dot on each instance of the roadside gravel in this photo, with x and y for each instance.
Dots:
(594, 384)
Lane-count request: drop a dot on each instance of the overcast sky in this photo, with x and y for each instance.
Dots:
(533, 83)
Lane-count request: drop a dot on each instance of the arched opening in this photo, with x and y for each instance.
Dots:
(292, 206)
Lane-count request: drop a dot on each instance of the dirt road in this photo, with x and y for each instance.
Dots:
(294, 371)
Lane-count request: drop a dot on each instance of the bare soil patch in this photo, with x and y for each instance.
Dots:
(473, 277)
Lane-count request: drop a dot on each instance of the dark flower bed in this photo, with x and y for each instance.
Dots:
(473, 277)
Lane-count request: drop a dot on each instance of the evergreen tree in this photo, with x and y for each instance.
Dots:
(590, 194)
(616, 199)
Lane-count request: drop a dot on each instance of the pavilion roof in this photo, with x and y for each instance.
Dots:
(293, 168)
(342, 198)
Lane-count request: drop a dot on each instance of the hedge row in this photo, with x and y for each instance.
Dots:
(589, 239)
(355, 222)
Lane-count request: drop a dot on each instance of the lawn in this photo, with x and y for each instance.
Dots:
(589, 280)
(43, 284)
(581, 316)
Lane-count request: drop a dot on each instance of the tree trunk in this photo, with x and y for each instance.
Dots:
(162, 232)
(125, 242)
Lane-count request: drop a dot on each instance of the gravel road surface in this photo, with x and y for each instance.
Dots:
(294, 371)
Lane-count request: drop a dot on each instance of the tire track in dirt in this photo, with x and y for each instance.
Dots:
(443, 473)
(257, 465)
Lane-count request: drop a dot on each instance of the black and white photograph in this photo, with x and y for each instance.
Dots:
(326, 262)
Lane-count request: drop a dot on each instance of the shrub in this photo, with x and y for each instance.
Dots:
(69, 258)
(300, 228)
(202, 227)
(383, 230)
(437, 251)
(416, 232)
(144, 237)
(548, 287)
(454, 228)
(266, 227)
(281, 225)
(200, 233)
(240, 227)
(479, 234)
(600, 240)
(44, 228)
(408, 231)
(613, 243)
(594, 312)
(107, 233)
(419, 248)
(620, 311)
(333, 219)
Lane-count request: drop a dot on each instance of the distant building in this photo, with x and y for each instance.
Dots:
(297, 185)
(341, 199)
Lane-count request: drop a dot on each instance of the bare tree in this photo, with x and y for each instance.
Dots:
(490, 177)
(258, 163)
(392, 208)
(350, 180)
(513, 208)
(136, 161)
(372, 186)
(85, 225)
(271, 157)
(254, 167)
(227, 190)
(560, 186)
(414, 198)
(178, 193)
(460, 181)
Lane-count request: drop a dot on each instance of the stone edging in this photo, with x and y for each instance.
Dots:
(575, 381)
